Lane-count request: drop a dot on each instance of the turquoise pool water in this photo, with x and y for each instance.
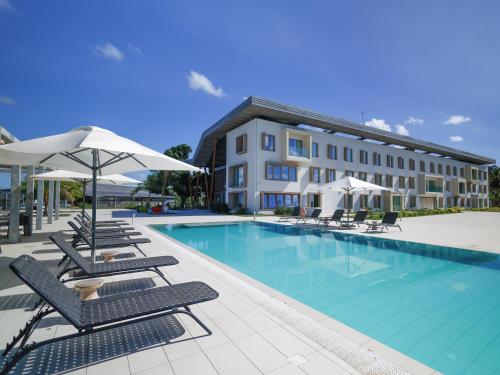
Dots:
(438, 305)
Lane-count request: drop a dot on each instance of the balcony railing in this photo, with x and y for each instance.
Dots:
(434, 189)
(298, 152)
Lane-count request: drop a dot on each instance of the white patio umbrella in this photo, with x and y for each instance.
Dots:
(89, 149)
(351, 184)
(84, 179)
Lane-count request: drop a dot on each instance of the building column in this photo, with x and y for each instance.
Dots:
(15, 194)
(39, 203)
(50, 209)
(30, 193)
(57, 204)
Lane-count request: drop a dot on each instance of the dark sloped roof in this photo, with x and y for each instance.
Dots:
(255, 107)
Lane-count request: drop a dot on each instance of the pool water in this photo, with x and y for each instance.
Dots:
(436, 304)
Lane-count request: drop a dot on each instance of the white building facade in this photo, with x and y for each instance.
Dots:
(269, 164)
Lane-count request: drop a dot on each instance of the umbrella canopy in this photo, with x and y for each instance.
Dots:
(89, 149)
(351, 184)
(62, 175)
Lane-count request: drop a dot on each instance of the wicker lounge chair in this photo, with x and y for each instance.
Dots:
(106, 242)
(336, 218)
(100, 314)
(109, 268)
(314, 215)
(388, 221)
(358, 219)
(293, 215)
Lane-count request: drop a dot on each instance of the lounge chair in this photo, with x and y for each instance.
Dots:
(314, 215)
(293, 215)
(109, 268)
(336, 218)
(358, 219)
(88, 225)
(106, 242)
(388, 221)
(107, 232)
(86, 217)
(99, 314)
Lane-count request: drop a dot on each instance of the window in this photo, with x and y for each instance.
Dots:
(455, 171)
(413, 201)
(241, 144)
(390, 161)
(237, 199)
(331, 152)
(362, 176)
(348, 173)
(363, 157)
(314, 149)
(432, 167)
(347, 154)
(422, 166)
(330, 175)
(314, 174)
(281, 172)
(296, 148)
(411, 164)
(401, 162)
(411, 182)
(237, 175)
(474, 174)
(440, 168)
(363, 201)
(273, 200)
(462, 172)
(388, 181)
(448, 186)
(461, 188)
(268, 142)
(376, 201)
(448, 170)
(377, 179)
(401, 182)
(377, 159)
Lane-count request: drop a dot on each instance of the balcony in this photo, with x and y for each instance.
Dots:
(429, 184)
(432, 188)
(296, 146)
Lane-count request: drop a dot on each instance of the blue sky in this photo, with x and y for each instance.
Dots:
(160, 72)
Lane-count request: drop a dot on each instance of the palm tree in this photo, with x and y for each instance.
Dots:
(494, 179)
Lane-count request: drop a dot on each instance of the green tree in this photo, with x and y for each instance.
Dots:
(494, 188)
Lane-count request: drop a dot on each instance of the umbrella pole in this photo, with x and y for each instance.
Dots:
(94, 202)
(83, 203)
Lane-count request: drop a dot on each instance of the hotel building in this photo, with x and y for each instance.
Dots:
(265, 154)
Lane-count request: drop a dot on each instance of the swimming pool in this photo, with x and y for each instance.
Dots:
(436, 304)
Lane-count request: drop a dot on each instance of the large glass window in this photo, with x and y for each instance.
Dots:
(315, 149)
(332, 152)
(296, 148)
(237, 176)
(241, 144)
(281, 172)
(348, 154)
(268, 142)
(274, 200)
(315, 174)
(331, 175)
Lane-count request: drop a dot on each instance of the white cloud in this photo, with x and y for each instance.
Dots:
(456, 138)
(457, 120)
(109, 51)
(401, 130)
(6, 99)
(198, 81)
(379, 124)
(134, 49)
(414, 121)
(245, 97)
(6, 7)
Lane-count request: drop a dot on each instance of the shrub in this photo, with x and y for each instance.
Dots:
(242, 211)
(485, 209)
(142, 209)
(282, 211)
(220, 208)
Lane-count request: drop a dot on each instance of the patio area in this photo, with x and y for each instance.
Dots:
(256, 330)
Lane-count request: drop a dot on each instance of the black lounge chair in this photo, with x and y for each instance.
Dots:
(88, 225)
(109, 268)
(293, 215)
(388, 221)
(105, 223)
(106, 242)
(100, 314)
(101, 233)
(358, 219)
(314, 215)
(336, 218)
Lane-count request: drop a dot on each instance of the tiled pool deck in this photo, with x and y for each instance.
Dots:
(254, 331)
